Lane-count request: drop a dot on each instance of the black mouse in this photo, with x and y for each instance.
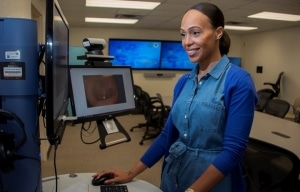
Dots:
(100, 180)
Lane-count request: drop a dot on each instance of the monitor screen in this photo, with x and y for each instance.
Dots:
(174, 57)
(56, 70)
(139, 54)
(236, 61)
(101, 92)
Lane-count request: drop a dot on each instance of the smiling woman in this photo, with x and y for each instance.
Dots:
(211, 116)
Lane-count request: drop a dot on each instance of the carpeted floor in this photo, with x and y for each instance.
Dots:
(74, 155)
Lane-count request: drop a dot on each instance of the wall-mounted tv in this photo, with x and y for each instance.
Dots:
(174, 57)
(138, 54)
(153, 54)
(101, 92)
(56, 71)
(236, 61)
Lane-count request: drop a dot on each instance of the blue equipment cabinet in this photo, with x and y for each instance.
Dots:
(19, 94)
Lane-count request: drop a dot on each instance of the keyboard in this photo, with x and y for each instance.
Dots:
(113, 188)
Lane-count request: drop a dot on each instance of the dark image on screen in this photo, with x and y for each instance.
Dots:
(174, 57)
(139, 54)
(103, 90)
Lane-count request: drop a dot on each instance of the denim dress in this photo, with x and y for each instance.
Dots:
(199, 115)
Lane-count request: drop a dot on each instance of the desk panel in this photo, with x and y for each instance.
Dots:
(81, 182)
(277, 131)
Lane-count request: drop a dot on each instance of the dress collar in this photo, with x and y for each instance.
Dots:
(216, 71)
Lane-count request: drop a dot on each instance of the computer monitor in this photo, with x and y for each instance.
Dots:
(174, 57)
(236, 61)
(56, 71)
(138, 54)
(99, 93)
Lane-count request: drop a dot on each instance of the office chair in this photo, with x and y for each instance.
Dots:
(269, 168)
(141, 105)
(294, 113)
(277, 107)
(137, 99)
(263, 98)
(155, 115)
(167, 107)
(275, 86)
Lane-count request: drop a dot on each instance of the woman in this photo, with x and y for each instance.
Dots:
(207, 130)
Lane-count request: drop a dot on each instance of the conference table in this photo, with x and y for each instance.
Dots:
(277, 131)
(81, 182)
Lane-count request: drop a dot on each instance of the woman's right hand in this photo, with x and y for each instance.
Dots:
(117, 176)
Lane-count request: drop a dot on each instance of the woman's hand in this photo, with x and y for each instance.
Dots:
(117, 176)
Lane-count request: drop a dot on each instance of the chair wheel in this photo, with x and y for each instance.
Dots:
(101, 146)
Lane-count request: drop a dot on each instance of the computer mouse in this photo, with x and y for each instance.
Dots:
(100, 180)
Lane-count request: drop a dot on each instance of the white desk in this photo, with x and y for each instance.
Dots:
(82, 183)
(265, 125)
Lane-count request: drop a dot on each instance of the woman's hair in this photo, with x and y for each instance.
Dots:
(216, 18)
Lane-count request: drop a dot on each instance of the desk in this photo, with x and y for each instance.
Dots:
(264, 126)
(82, 183)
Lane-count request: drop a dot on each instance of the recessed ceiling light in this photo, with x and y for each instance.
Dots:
(275, 16)
(110, 20)
(122, 4)
(239, 28)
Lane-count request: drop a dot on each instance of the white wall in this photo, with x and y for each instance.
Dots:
(164, 86)
(276, 51)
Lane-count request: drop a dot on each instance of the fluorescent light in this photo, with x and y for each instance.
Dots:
(239, 28)
(275, 16)
(110, 20)
(122, 4)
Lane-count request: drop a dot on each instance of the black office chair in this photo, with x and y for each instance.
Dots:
(155, 115)
(137, 99)
(274, 92)
(263, 98)
(277, 107)
(269, 168)
(167, 107)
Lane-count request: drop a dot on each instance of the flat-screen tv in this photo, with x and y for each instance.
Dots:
(236, 61)
(101, 92)
(56, 71)
(174, 57)
(138, 54)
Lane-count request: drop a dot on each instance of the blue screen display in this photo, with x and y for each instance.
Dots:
(152, 54)
(173, 56)
(236, 61)
(139, 54)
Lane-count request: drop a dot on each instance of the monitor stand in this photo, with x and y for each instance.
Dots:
(111, 126)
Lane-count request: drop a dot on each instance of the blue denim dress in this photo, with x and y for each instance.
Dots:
(199, 116)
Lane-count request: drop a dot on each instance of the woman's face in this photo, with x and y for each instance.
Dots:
(199, 37)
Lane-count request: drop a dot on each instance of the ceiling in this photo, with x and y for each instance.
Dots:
(167, 16)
